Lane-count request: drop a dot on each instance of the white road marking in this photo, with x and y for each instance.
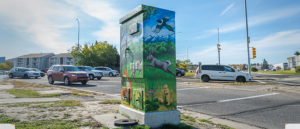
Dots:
(227, 100)
(193, 88)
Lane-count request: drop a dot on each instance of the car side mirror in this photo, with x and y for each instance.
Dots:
(62, 71)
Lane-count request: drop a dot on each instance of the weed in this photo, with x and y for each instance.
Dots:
(182, 116)
(67, 114)
(61, 103)
(55, 115)
(7, 119)
(110, 102)
(218, 125)
(75, 93)
(44, 115)
(20, 93)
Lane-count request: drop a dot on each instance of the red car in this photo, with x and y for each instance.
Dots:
(66, 74)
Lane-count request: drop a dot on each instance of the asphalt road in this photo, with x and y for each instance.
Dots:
(262, 109)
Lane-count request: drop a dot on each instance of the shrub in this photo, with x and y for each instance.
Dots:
(253, 69)
(297, 69)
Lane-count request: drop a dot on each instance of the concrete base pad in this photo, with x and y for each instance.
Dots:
(152, 119)
(55, 92)
(108, 119)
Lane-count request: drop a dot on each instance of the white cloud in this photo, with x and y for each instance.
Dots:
(275, 47)
(40, 21)
(262, 18)
(106, 13)
(229, 7)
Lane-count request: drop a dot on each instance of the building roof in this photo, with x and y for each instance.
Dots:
(34, 55)
(63, 55)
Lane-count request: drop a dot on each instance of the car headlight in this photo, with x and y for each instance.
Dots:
(74, 75)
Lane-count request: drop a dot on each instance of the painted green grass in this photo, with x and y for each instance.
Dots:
(20, 93)
(280, 72)
(189, 74)
(48, 124)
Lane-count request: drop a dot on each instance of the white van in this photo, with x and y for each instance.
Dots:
(221, 72)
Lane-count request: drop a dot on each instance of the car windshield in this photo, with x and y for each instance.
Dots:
(70, 68)
(108, 69)
(35, 70)
(27, 70)
(90, 68)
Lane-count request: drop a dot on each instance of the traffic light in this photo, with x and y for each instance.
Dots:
(253, 52)
(219, 48)
(218, 45)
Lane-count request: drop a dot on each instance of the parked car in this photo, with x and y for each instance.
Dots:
(92, 73)
(180, 72)
(41, 72)
(46, 70)
(23, 72)
(221, 72)
(266, 70)
(273, 69)
(107, 71)
(66, 74)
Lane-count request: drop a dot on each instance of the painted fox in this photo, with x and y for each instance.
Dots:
(127, 92)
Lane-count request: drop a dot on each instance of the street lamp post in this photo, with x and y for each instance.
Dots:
(218, 48)
(78, 41)
(187, 52)
(247, 38)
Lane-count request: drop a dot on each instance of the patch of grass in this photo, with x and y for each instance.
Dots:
(189, 74)
(24, 104)
(186, 117)
(290, 72)
(141, 127)
(110, 102)
(67, 114)
(250, 84)
(61, 103)
(75, 93)
(55, 115)
(218, 125)
(20, 93)
(18, 84)
(172, 126)
(48, 124)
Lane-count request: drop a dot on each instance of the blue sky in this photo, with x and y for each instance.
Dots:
(35, 26)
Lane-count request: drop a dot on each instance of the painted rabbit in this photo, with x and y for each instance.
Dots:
(159, 64)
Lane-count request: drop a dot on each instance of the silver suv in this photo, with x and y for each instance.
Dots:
(92, 73)
(108, 71)
(23, 72)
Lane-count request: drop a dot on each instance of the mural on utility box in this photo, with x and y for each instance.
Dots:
(148, 60)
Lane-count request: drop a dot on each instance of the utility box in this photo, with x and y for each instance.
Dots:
(148, 65)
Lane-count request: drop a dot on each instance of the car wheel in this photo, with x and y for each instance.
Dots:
(26, 76)
(240, 79)
(36, 77)
(11, 75)
(83, 83)
(67, 81)
(205, 78)
(91, 76)
(99, 78)
(110, 74)
(50, 80)
(179, 74)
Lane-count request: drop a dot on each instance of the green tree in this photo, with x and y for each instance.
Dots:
(297, 53)
(7, 65)
(253, 69)
(98, 54)
(265, 65)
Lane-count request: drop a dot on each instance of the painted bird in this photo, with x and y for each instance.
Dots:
(163, 23)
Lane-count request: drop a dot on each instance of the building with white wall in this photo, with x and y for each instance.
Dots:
(37, 60)
(61, 59)
(280, 66)
(293, 61)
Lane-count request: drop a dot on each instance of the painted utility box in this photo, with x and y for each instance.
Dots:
(148, 59)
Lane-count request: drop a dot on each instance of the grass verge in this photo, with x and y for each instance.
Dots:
(61, 103)
(48, 124)
(250, 84)
(280, 72)
(189, 74)
(110, 102)
(212, 123)
(20, 93)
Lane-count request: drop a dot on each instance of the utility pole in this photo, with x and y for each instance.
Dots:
(247, 38)
(187, 52)
(78, 41)
(218, 46)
